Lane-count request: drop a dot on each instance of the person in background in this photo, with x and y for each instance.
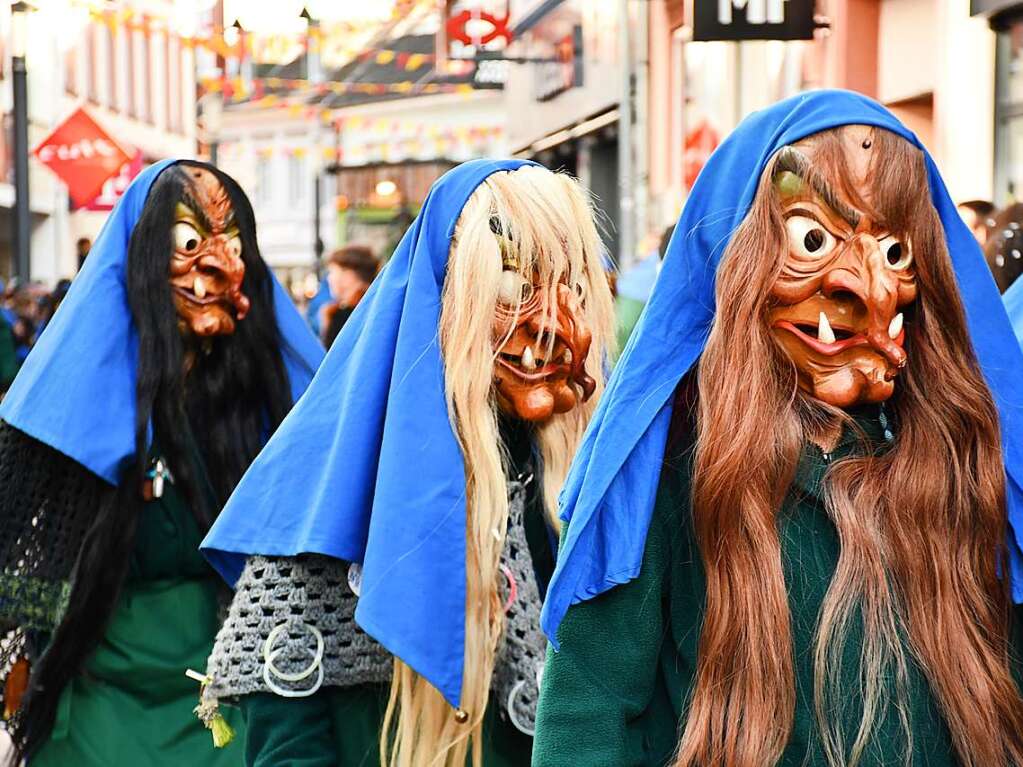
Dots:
(84, 245)
(350, 270)
(1003, 248)
(977, 215)
(9, 363)
(634, 288)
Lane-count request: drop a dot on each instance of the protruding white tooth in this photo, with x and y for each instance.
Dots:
(199, 287)
(896, 327)
(528, 360)
(567, 357)
(824, 332)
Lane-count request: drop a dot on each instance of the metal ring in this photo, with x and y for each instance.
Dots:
(284, 693)
(511, 710)
(268, 656)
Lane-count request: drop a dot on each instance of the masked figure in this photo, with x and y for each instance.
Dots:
(173, 357)
(796, 482)
(396, 533)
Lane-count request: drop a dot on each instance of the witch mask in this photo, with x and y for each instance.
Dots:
(206, 267)
(541, 343)
(838, 303)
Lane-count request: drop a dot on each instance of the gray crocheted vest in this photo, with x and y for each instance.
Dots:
(291, 628)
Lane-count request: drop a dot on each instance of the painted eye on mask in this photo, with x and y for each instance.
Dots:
(896, 253)
(807, 238)
(186, 237)
(514, 288)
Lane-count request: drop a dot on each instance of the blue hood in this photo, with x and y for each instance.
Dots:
(76, 390)
(366, 468)
(608, 497)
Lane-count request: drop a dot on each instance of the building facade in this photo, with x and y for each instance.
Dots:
(133, 72)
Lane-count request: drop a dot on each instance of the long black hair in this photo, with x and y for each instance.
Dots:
(208, 424)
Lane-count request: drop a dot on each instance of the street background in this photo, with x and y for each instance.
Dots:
(336, 117)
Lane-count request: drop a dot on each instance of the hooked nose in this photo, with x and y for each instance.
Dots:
(221, 259)
(862, 272)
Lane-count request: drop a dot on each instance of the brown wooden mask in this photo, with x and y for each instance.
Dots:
(839, 299)
(541, 350)
(206, 268)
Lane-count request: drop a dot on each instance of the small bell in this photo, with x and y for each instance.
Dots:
(461, 715)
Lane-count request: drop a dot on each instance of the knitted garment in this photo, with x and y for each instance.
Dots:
(47, 503)
(299, 613)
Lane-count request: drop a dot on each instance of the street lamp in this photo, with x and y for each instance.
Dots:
(22, 216)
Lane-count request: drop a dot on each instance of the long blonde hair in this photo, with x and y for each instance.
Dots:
(551, 220)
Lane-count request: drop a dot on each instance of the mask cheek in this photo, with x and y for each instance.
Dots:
(789, 290)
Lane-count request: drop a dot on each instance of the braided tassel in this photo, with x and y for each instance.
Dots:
(209, 714)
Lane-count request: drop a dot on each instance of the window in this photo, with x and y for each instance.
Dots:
(1009, 113)
(297, 176)
(264, 179)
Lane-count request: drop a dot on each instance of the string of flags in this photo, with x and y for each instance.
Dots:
(411, 140)
(255, 89)
(332, 40)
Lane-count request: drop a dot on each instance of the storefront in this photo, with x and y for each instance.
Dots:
(1006, 20)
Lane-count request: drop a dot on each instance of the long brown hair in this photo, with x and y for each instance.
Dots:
(921, 527)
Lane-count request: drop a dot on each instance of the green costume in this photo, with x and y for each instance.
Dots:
(615, 694)
(132, 707)
(340, 727)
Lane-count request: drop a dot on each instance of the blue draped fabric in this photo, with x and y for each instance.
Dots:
(608, 497)
(366, 468)
(76, 390)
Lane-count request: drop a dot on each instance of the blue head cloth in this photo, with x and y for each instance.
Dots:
(608, 497)
(366, 467)
(76, 390)
(1013, 300)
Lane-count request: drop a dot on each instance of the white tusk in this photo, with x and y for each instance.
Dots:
(199, 288)
(528, 361)
(896, 327)
(824, 332)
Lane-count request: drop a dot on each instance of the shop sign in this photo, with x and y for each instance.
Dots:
(753, 20)
(83, 155)
(700, 144)
(115, 186)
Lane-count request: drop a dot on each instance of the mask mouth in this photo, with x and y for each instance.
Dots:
(830, 337)
(529, 365)
(205, 291)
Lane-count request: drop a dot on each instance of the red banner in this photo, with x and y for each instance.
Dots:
(83, 155)
(114, 186)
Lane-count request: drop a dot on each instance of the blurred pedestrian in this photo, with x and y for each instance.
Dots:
(83, 246)
(9, 362)
(1003, 249)
(977, 215)
(350, 271)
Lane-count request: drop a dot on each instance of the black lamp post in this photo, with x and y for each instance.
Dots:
(22, 216)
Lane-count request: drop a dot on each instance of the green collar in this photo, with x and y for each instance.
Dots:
(872, 432)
